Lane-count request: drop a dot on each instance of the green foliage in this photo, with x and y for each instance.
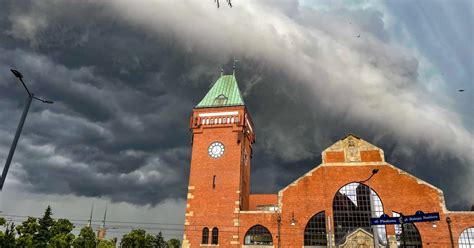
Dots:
(86, 239)
(46, 232)
(7, 239)
(61, 236)
(137, 239)
(159, 241)
(26, 232)
(41, 239)
(173, 243)
(106, 244)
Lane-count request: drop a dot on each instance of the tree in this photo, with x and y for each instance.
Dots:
(42, 237)
(61, 236)
(7, 239)
(159, 241)
(26, 232)
(137, 239)
(86, 239)
(173, 243)
(105, 244)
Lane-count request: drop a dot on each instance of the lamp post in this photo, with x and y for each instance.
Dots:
(372, 212)
(448, 220)
(30, 97)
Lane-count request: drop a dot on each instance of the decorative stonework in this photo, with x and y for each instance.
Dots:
(359, 239)
(352, 149)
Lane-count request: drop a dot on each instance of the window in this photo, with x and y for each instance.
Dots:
(215, 236)
(220, 100)
(351, 207)
(258, 235)
(205, 235)
(214, 182)
(466, 239)
(315, 231)
(407, 235)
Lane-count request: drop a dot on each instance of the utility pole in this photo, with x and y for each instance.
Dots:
(31, 96)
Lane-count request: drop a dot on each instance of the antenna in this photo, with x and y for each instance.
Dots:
(90, 218)
(105, 216)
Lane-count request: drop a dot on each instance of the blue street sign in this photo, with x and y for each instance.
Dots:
(421, 217)
(385, 220)
(418, 217)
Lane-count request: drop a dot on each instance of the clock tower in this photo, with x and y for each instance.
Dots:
(219, 177)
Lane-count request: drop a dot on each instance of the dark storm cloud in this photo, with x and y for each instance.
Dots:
(126, 78)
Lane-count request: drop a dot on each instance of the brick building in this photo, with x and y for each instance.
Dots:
(329, 206)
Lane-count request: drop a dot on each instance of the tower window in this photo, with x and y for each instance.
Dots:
(214, 182)
(215, 236)
(220, 100)
(205, 235)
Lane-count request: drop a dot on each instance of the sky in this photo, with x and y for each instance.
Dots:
(125, 76)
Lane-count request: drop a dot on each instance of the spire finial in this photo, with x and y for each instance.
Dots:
(234, 66)
(222, 72)
(89, 224)
(105, 216)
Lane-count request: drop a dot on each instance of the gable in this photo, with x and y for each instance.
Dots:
(352, 149)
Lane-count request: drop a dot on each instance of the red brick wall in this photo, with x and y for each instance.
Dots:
(398, 192)
(370, 156)
(459, 222)
(252, 218)
(217, 207)
(262, 199)
(309, 195)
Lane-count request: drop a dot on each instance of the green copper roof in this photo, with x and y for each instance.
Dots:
(225, 92)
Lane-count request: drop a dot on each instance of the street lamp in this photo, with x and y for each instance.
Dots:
(293, 220)
(372, 212)
(31, 96)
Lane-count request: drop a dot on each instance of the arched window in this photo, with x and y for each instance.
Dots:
(205, 235)
(315, 231)
(466, 239)
(351, 209)
(408, 235)
(258, 235)
(215, 236)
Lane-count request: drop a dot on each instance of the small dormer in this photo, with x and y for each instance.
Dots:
(220, 100)
(352, 149)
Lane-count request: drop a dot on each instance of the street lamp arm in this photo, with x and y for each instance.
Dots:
(26, 88)
(42, 100)
(374, 171)
(20, 77)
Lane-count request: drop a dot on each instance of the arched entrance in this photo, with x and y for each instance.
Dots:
(352, 211)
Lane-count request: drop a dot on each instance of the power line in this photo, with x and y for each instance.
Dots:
(108, 221)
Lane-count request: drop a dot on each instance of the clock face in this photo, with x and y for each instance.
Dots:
(216, 149)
